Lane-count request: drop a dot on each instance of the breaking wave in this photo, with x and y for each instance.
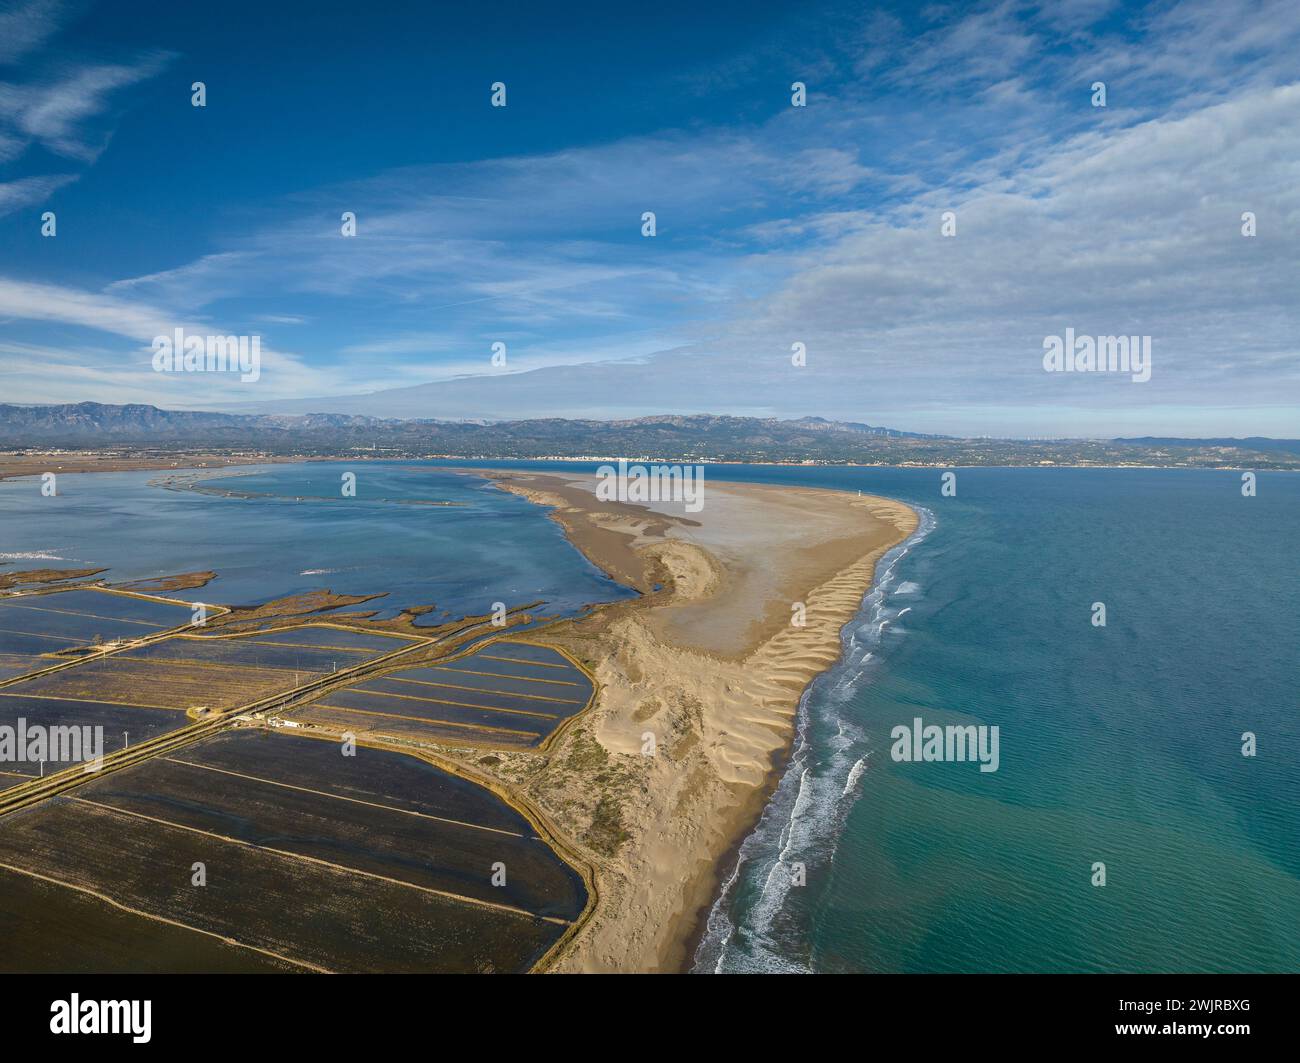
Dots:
(802, 823)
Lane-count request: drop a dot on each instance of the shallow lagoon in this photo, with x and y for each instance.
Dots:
(489, 546)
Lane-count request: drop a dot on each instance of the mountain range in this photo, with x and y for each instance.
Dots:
(696, 437)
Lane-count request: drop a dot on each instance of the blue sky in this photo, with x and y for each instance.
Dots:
(776, 224)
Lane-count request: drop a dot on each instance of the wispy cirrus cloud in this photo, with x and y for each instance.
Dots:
(821, 225)
(25, 26)
(28, 190)
(54, 102)
(43, 370)
(58, 111)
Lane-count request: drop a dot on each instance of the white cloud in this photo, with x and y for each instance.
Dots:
(822, 225)
(15, 195)
(128, 366)
(56, 113)
(1132, 230)
(61, 105)
(24, 27)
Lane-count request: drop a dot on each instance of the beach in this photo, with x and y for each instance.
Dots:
(699, 682)
(697, 733)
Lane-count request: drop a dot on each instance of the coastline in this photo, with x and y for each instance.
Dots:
(709, 664)
(706, 661)
(15, 466)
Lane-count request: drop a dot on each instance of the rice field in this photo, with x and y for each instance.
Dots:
(316, 649)
(50, 927)
(141, 692)
(34, 627)
(507, 694)
(313, 860)
(16, 774)
(123, 724)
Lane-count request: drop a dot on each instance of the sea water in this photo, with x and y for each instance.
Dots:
(1120, 745)
(300, 532)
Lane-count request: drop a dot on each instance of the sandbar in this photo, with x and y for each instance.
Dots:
(706, 669)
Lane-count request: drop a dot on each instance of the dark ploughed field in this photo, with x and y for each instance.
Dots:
(313, 860)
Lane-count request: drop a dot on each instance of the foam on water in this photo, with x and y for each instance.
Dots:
(855, 773)
(803, 821)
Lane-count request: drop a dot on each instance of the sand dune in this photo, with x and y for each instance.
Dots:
(709, 669)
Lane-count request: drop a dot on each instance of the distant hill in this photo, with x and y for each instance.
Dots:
(696, 437)
(1261, 443)
(98, 422)
(93, 422)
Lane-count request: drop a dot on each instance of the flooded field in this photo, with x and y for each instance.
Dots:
(123, 724)
(317, 649)
(12, 665)
(506, 694)
(35, 626)
(263, 850)
(186, 674)
(317, 860)
(310, 860)
(11, 776)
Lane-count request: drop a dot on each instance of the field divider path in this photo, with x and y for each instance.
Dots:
(24, 794)
(498, 675)
(92, 701)
(326, 706)
(485, 690)
(458, 704)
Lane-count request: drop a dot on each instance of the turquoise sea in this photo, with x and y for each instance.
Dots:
(1119, 744)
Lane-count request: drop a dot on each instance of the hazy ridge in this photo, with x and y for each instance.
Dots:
(698, 437)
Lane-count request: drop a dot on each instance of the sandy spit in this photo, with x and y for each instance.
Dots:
(707, 671)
